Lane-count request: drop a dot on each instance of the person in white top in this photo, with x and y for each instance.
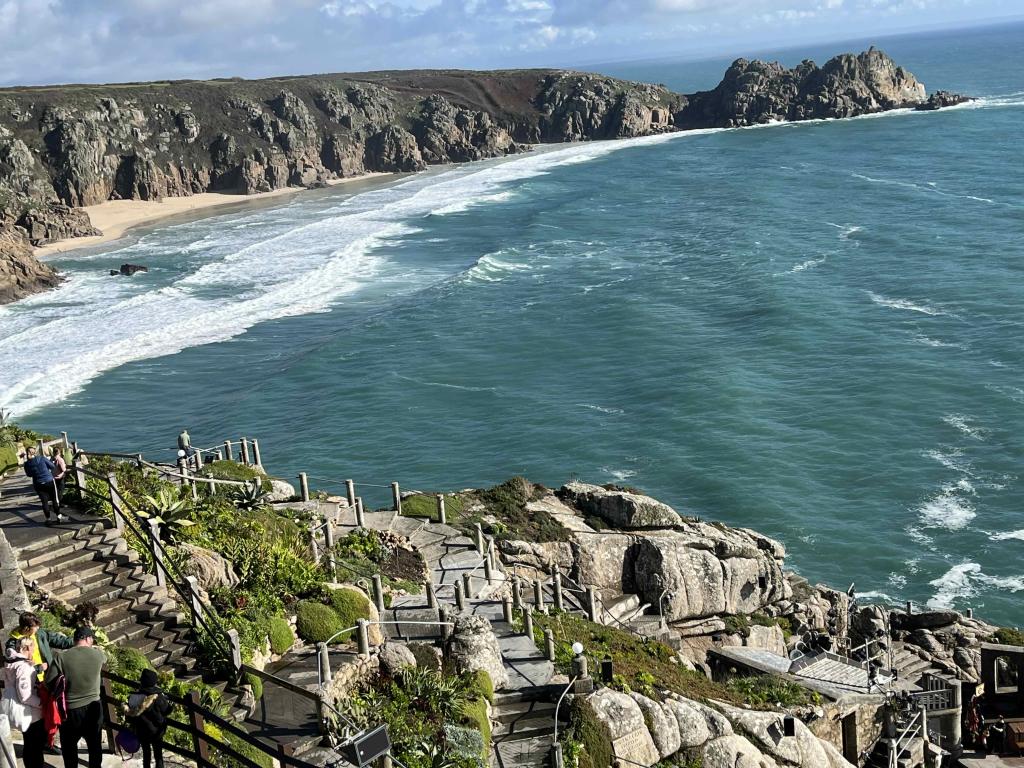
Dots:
(21, 702)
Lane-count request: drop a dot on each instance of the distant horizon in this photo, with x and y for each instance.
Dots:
(65, 42)
(590, 66)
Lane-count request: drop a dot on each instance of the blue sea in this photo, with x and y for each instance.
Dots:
(814, 330)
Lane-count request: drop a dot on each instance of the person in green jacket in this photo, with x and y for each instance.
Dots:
(43, 641)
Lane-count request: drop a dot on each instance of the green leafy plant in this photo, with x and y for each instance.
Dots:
(172, 514)
(249, 497)
(281, 636)
(768, 691)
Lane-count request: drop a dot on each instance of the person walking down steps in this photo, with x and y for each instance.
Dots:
(43, 471)
(42, 643)
(80, 666)
(148, 710)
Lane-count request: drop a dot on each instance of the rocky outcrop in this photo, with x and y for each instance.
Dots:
(473, 646)
(754, 92)
(941, 100)
(210, 569)
(644, 731)
(89, 144)
(621, 509)
(21, 274)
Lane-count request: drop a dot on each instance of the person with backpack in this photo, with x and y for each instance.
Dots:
(74, 680)
(148, 710)
(42, 472)
(21, 702)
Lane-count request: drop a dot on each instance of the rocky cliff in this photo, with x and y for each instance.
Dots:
(66, 147)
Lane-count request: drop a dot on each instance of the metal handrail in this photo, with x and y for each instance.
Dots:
(205, 616)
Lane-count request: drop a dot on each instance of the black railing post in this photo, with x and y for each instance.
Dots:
(197, 729)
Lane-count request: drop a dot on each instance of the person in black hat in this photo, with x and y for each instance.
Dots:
(80, 666)
(148, 710)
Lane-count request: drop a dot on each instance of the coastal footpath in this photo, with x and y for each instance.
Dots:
(504, 626)
(63, 148)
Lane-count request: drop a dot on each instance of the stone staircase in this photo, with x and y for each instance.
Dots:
(523, 731)
(86, 560)
(834, 670)
(909, 666)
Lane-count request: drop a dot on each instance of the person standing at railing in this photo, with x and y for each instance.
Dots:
(21, 702)
(81, 667)
(148, 710)
(57, 457)
(42, 470)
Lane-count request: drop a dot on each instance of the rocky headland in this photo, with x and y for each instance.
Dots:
(62, 148)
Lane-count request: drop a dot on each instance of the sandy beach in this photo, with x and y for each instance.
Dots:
(115, 217)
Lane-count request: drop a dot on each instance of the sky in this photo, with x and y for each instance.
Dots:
(65, 41)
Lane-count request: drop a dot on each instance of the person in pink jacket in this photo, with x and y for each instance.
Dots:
(21, 701)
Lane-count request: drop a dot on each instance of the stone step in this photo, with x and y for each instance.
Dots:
(619, 608)
(68, 569)
(534, 752)
(50, 537)
(95, 585)
(524, 728)
(516, 710)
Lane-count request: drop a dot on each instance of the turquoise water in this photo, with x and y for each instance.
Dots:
(813, 330)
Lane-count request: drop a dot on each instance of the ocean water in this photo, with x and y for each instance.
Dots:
(814, 330)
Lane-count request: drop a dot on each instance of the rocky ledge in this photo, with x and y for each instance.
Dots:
(63, 148)
(941, 100)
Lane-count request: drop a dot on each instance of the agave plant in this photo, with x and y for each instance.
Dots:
(250, 496)
(172, 514)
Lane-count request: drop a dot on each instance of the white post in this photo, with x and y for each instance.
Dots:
(236, 648)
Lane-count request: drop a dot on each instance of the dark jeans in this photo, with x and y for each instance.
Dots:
(151, 749)
(82, 723)
(35, 742)
(48, 496)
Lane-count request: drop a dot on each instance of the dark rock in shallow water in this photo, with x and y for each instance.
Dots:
(129, 269)
(943, 99)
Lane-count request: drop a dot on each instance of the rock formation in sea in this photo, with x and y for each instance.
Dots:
(67, 147)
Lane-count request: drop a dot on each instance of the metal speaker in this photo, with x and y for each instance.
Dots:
(789, 726)
(367, 747)
(607, 670)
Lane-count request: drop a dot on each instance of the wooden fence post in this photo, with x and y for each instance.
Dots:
(378, 593)
(460, 598)
(324, 661)
(549, 644)
(313, 542)
(196, 726)
(329, 542)
(158, 552)
(256, 460)
(350, 492)
(109, 708)
(517, 593)
(488, 570)
(528, 622)
(431, 595)
(360, 514)
(228, 456)
(592, 604)
(442, 516)
(76, 463)
(245, 451)
(506, 609)
(115, 503)
(559, 601)
(396, 497)
(538, 595)
(363, 637)
(199, 460)
(64, 438)
(479, 539)
(236, 647)
(303, 486)
(467, 584)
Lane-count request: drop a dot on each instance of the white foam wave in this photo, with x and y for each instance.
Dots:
(963, 424)
(807, 264)
(875, 594)
(930, 342)
(951, 459)
(965, 580)
(930, 187)
(905, 304)
(947, 510)
(601, 408)
(443, 384)
(845, 230)
(619, 474)
(1008, 535)
(465, 205)
(490, 269)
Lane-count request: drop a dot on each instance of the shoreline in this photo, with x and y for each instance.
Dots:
(116, 218)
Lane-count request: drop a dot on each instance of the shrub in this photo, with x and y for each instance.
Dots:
(232, 470)
(8, 457)
(483, 685)
(349, 606)
(256, 683)
(281, 636)
(764, 691)
(316, 622)
(127, 662)
(1008, 636)
(246, 750)
(465, 742)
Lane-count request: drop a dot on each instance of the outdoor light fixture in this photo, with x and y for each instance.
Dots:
(367, 746)
(577, 649)
(181, 454)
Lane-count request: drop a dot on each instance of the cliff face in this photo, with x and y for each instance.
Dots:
(66, 147)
